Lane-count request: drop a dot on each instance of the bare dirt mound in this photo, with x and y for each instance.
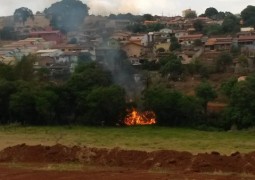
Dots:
(165, 159)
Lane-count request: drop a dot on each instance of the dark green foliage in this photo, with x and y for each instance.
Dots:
(227, 86)
(148, 17)
(211, 12)
(7, 88)
(106, 105)
(174, 44)
(248, 16)
(171, 66)
(6, 72)
(22, 14)
(8, 33)
(231, 24)
(205, 93)
(199, 25)
(67, 15)
(24, 69)
(137, 28)
(223, 61)
(213, 29)
(241, 107)
(191, 15)
(171, 107)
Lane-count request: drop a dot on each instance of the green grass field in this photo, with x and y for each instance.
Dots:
(140, 138)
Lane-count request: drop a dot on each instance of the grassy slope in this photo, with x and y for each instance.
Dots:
(140, 138)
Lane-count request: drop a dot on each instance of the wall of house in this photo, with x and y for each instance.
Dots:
(133, 50)
(165, 46)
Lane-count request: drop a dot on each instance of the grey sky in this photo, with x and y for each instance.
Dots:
(105, 7)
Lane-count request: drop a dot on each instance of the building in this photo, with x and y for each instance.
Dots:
(48, 35)
(219, 44)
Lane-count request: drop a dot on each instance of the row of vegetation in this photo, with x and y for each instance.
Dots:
(89, 97)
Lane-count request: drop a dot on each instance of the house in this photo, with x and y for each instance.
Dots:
(133, 49)
(48, 35)
(189, 39)
(180, 33)
(120, 36)
(219, 44)
(161, 47)
(246, 40)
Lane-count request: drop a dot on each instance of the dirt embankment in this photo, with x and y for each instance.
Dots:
(165, 159)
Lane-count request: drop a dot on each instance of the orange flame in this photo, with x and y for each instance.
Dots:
(139, 118)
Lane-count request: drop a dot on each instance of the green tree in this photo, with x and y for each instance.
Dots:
(223, 61)
(8, 33)
(23, 106)
(106, 105)
(148, 17)
(173, 68)
(211, 12)
(171, 107)
(213, 29)
(6, 72)
(22, 14)
(7, 88)
(231, 24)
(24, 68)
(248, 16)
(174, 44)
(198, 25)
(228, 86)
(67, 15)
(191, 15)
(241, 107)
(205, 93)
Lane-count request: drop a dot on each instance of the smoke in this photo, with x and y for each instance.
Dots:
(106, 7)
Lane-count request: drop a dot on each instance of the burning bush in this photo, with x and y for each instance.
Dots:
(140, 118)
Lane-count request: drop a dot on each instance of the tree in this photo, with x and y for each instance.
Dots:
(227, 86)
(23, 106)
(67, 15)
(231, 24)
(8, 33)
(191, 15)
(222, 61)
(205, 93)
(148, 17)
(106, 105)
(6, 72)
(171, 107)
(241, 107)
(248, 16)
(213, 29)
(198, 25)
(211, 12)
(7, 88)
(174, 44)
(24, 69)
(22, 14)
(173, 68)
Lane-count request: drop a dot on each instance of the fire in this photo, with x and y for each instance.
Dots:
(140, 118)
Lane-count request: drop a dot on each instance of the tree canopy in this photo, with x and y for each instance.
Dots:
(22, 14)
(248, 16)
(211, 12)
(67, 15)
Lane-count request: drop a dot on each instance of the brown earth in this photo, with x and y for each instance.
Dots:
(164, 164)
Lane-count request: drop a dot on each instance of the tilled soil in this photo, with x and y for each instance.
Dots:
(135, 164)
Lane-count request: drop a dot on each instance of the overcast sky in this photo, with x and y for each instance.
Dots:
(105, 7)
